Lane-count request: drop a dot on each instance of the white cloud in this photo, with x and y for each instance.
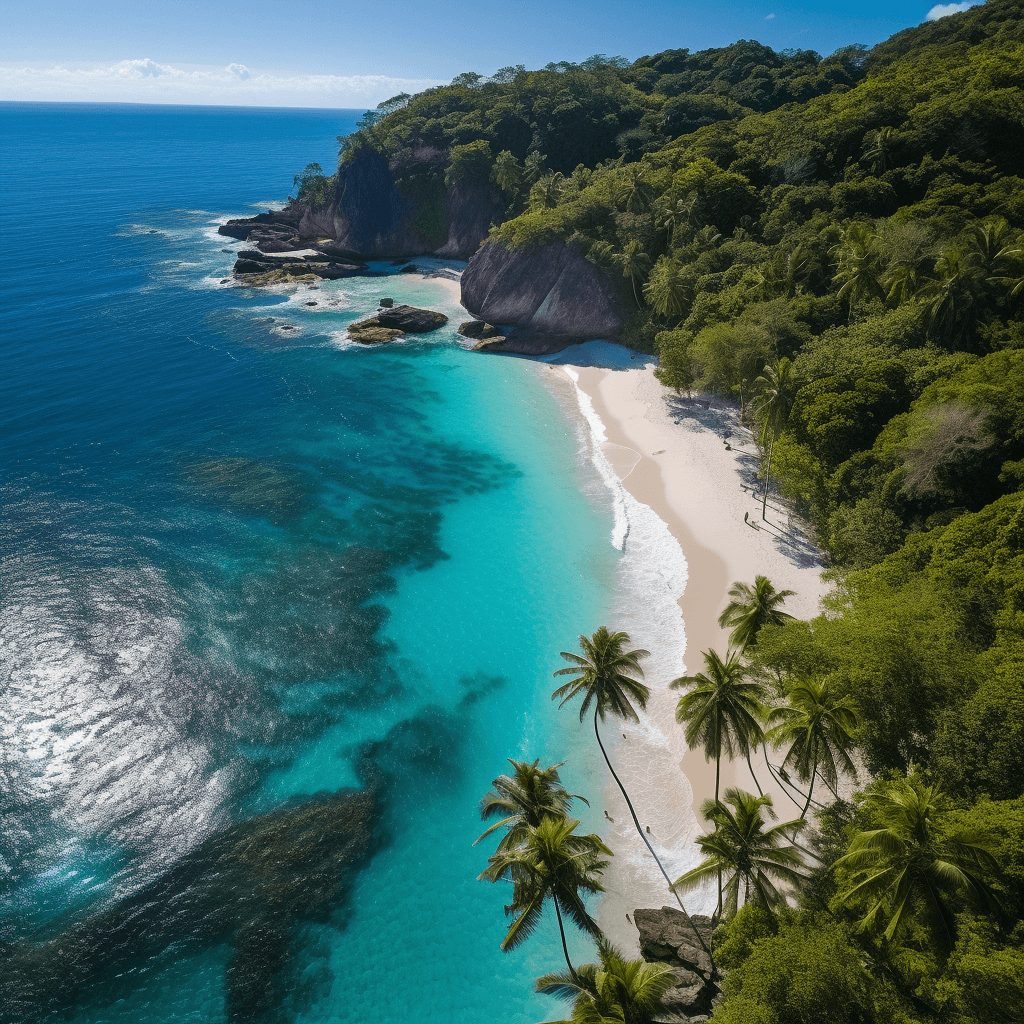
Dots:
(147, 81)
(768, 17)
(943, 10)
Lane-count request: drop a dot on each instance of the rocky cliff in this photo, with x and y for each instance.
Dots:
(370, 218)
(551, 295)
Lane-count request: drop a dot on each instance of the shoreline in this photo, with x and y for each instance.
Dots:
(692, 464)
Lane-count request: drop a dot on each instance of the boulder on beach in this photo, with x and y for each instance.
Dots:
(667, 937)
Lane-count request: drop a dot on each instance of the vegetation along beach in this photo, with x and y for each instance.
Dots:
(564, 563)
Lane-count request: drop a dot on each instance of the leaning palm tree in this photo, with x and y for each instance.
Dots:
(635, 264)
(722, 710)
(753, 607)
(524, 799)
(748, 857)
(610, 677)
(817, 726)
(613, 989)
(552, 864)
(774, 394)
(910, 866)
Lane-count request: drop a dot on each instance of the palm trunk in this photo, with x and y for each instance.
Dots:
(785, 784)
(640, 832)
(767, 478)
(810, 788)
(718, 772)
(565, 948)
(760, 792)
(635, 296)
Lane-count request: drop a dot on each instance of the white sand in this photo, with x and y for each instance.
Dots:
(693, 465)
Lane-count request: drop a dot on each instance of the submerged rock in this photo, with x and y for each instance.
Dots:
(250, 884)
(387, 303)
(373, 335)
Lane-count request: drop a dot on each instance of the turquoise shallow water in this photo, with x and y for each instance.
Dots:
(234, 554)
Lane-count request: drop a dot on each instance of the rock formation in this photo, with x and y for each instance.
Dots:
(666, 937)
(370, 218)
(551, 295)
(392, 322)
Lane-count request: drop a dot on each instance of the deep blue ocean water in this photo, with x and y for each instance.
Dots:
(235, 549)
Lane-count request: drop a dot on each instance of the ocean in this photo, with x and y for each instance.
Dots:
(245, 562)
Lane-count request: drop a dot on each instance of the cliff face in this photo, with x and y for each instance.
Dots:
(551, 295)
(369, 218)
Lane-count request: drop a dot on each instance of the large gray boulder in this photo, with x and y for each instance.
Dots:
(551, 295)
(666, 937)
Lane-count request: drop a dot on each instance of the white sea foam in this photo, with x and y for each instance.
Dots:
(651, 576)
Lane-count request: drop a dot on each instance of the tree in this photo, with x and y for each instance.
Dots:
(878, 148)
(908, 866)
(525, 798)
(817, 725)
(748, 858)
(774, 393)
(753, 607)
(552, 864)
(858, 270)
(954, 300)
(610, 677)
(634, 193)
(507, 173)
(722, 711)
(613, 989)
(668, 290)
(635, 264)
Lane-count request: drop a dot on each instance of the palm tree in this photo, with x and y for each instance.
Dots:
(858, 272)
(668, 290)
(552, 864)
(507, 173)
(610, 677)
(669, 216)
(908, 865)
(818, 726)
(749, 857)
(524, 799)
(955, 299)
(635, 264)
(878, 147)
(753, 607)
(634, 193)
(613, 989)
(723, 710)
(774, 394)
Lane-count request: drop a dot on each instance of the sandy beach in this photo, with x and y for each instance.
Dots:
(691, 463)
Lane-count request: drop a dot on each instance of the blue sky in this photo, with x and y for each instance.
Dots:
(349, 53)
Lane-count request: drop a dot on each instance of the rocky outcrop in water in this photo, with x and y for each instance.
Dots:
(666, 937)
(256, 267)
(250, 884)
(552, 295)
(392, 322)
